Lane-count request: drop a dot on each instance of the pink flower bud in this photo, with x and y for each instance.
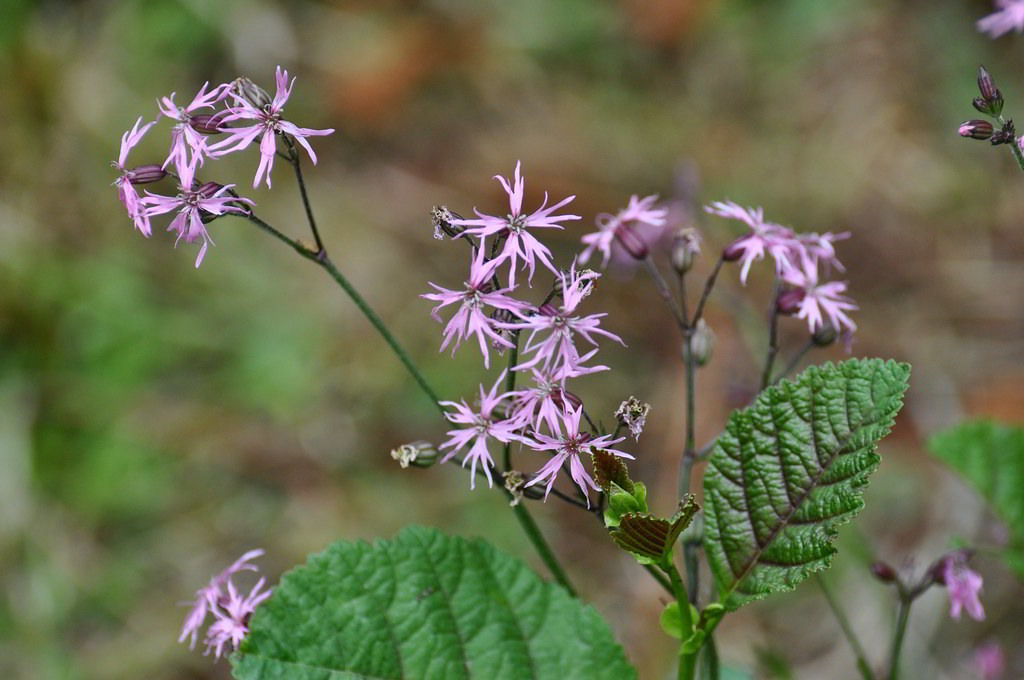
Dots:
(630, 242)
(789, 301)
(883, 572)
(976, 129)
(734, 250)
(209, 189)
(208, 124)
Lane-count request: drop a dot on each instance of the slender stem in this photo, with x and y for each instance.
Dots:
(844, 623)
(294, 157)
(690, 561)
(707, 291)
(532, 532)
(689, 448)
(664, 291)
(711, 670)
(660, 578)
(687, 660)
(897, 641)
(682, 298)
(773, 339)
(510, 384)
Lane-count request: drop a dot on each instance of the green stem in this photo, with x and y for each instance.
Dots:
(532, 532)
(897, 641)
(1014, 148)
(293, 154)
(689, 447)
(687, 660)
(711, 670)
(773, 339)
(794, 362)
(844, 623)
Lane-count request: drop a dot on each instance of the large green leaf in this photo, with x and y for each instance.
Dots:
(991, 457)
(424, 605)
(790, 469)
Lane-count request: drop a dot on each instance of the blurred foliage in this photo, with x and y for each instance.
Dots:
(156, 420)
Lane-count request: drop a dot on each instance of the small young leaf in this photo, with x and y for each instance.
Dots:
(652, 537)
(424, 605)
(609, 469)
(991, 457)
(621, 502)
(790, 469)
(670, 620)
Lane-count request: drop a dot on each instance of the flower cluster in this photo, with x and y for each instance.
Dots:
(230, 609)
(800, 259)
(242, 113)
(545, 417)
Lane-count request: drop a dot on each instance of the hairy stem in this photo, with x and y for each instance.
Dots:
(844, 623)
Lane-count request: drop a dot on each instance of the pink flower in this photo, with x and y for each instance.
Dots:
(552, 328)
(821, 248)
(125, 190)
(479, 427)
(208, 597)
(569, 446)
(191, 203)
(470, 318)
(990, 661)
(232, 613)
(776, 240)
(268, 123)
(184, 137)
(640, 211)
(963, 585)
(1009, 16)
(545, 402)
(519, 242)
(819, 300)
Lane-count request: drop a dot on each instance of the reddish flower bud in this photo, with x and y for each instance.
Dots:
(208, 124)
(563, 397)
(145, 174)
(630, 242)
(734, 250)
(548, 309)
(209, 189)
(976, 129)
(883, 572)
(991, 100)
(788, 301)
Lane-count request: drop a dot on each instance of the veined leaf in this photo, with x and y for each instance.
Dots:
(424, 605)
(991, 457)
(652, 537)
(790, 469)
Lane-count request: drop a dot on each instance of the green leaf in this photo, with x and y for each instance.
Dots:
(652, 537)
(424, 605)
(621, 502)
(991, 457)
(671, 620)
(790, 469)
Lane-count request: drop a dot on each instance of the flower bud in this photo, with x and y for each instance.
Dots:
(991, 100)
(418, 454)
(208, 124)
(976, 129)
(883, 572)
(631, 242)
(442, 217)
(251, 92)
(734, 250)
(702, 343)
(146, 174)
(548, 309)
(209, 189)
(788, 301)
(563, 398)
(824, 335)
(685, 247)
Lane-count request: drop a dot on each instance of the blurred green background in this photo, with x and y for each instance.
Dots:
(156, 421)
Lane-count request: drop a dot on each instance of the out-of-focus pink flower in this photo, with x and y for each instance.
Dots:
(191, 203)
(963, 585)
(519, 242)
(552, 328)
(478, 428)
(778, 241)
(125, 190)
(990, 661)
(569, 445)
(1009, 16)
(209, 596)
(821, 247)
(621, 227)
(184, 137)
(470, 318)
(232, 613)
(268, 123)
(819, 300)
